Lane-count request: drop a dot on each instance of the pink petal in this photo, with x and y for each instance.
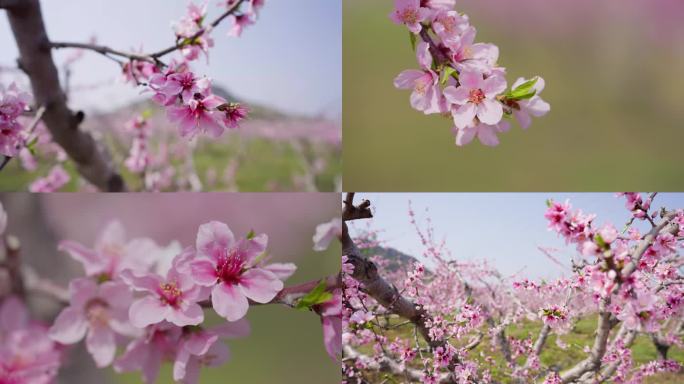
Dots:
(487, 135)
(113, 234)
(251, 249)
(117, 294)
(100, 344)
(146, 283)
(260, 285)
(471, 79)
(213, 238)
(192, 315)
(203, 272)
(458, 95)
(282, 270)
(523, 118)
(490, 111)
(229, 301)
(199, 343)
(92, 262)
(147, 311)
(494, 85)
(465, 135)
(332, 336)
(70, 326)
(407, 78)
(13, 314)
(423, 55)
(464, 115)
(180, 364)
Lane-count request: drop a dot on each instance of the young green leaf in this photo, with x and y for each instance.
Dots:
(523, 91)
(317, 296)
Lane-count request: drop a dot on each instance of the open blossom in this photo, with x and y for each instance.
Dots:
(101, 311)
(409, 13)
(554, 316)
(327, 232)
(198, 115)
(13, 103)
(424, 82)
(470, 56)
(146, 353)
(534, 106)
(173, 298)
(27, 354)
(232, 114)
(203, 347)
(485, 133)
(230, 268)
(54, 181)
(184, 84)
(449, 25)
(238, 23)
(640, 313)
(112, 253)
(476, 97)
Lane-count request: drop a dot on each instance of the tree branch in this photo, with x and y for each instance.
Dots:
(148, 57)
(366, 272)
(29, 32)
(593, 361)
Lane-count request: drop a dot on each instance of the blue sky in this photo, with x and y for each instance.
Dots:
(291, 59)
(505, 229)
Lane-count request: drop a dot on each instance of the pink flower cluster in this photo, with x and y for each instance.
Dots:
(27, 355)
(461, 78)
(190, 103)
(53, 182)
(139, 157)
(13, 102)
(154, 296)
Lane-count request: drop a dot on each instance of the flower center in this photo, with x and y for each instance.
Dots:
(409, 16)
(170, 294)
(230, 267)
(476, 96)
(97, 312)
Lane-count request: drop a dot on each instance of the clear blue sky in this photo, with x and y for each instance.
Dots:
(505, 229)
(291, 59)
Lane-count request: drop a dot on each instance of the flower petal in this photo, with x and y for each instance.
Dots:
(229, 301)
(147, 311)
(101, 345)
(69, 327)
(490, 111)
(212, 237)
(192, 315)
(203, 272)
(260, 285)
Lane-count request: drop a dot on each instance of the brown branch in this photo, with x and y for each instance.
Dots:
(366, 272)
(13, 266)
(148, 57)
(385, 364)
(8, 4)
(29, 32)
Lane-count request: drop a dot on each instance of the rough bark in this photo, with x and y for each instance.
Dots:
(36, 60)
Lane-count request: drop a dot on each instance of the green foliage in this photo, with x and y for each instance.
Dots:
(318, 295)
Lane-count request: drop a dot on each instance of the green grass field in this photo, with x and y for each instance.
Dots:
(552, 355)
(265, 165)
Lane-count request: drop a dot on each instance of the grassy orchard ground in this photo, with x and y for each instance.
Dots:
(267, 165)
(552, 356)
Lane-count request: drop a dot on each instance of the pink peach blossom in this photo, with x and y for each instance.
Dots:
(230, 268)
(476, 97)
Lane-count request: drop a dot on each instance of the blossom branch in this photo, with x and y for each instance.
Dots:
(149, 57)
(593, 362)
(366, 272)
(93, 161)
(30, 129)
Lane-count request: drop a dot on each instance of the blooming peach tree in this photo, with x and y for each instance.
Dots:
(40, 124)
(461, 78)
(151, 301)
(453, 322)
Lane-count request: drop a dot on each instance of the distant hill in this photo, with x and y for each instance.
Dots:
(396, 259)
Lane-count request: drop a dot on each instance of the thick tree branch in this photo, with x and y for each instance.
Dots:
(29, 32)
(366, 272)
(385, 364)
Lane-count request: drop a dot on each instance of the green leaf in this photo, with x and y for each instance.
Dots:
(317, 296)
(146, 114)
(549, 202)
(447, 72)
(251, 235)
(414, 41)
(523, 91)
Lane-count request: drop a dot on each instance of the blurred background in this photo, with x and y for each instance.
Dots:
(612, 72)
(284, 342)
(287, 68)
